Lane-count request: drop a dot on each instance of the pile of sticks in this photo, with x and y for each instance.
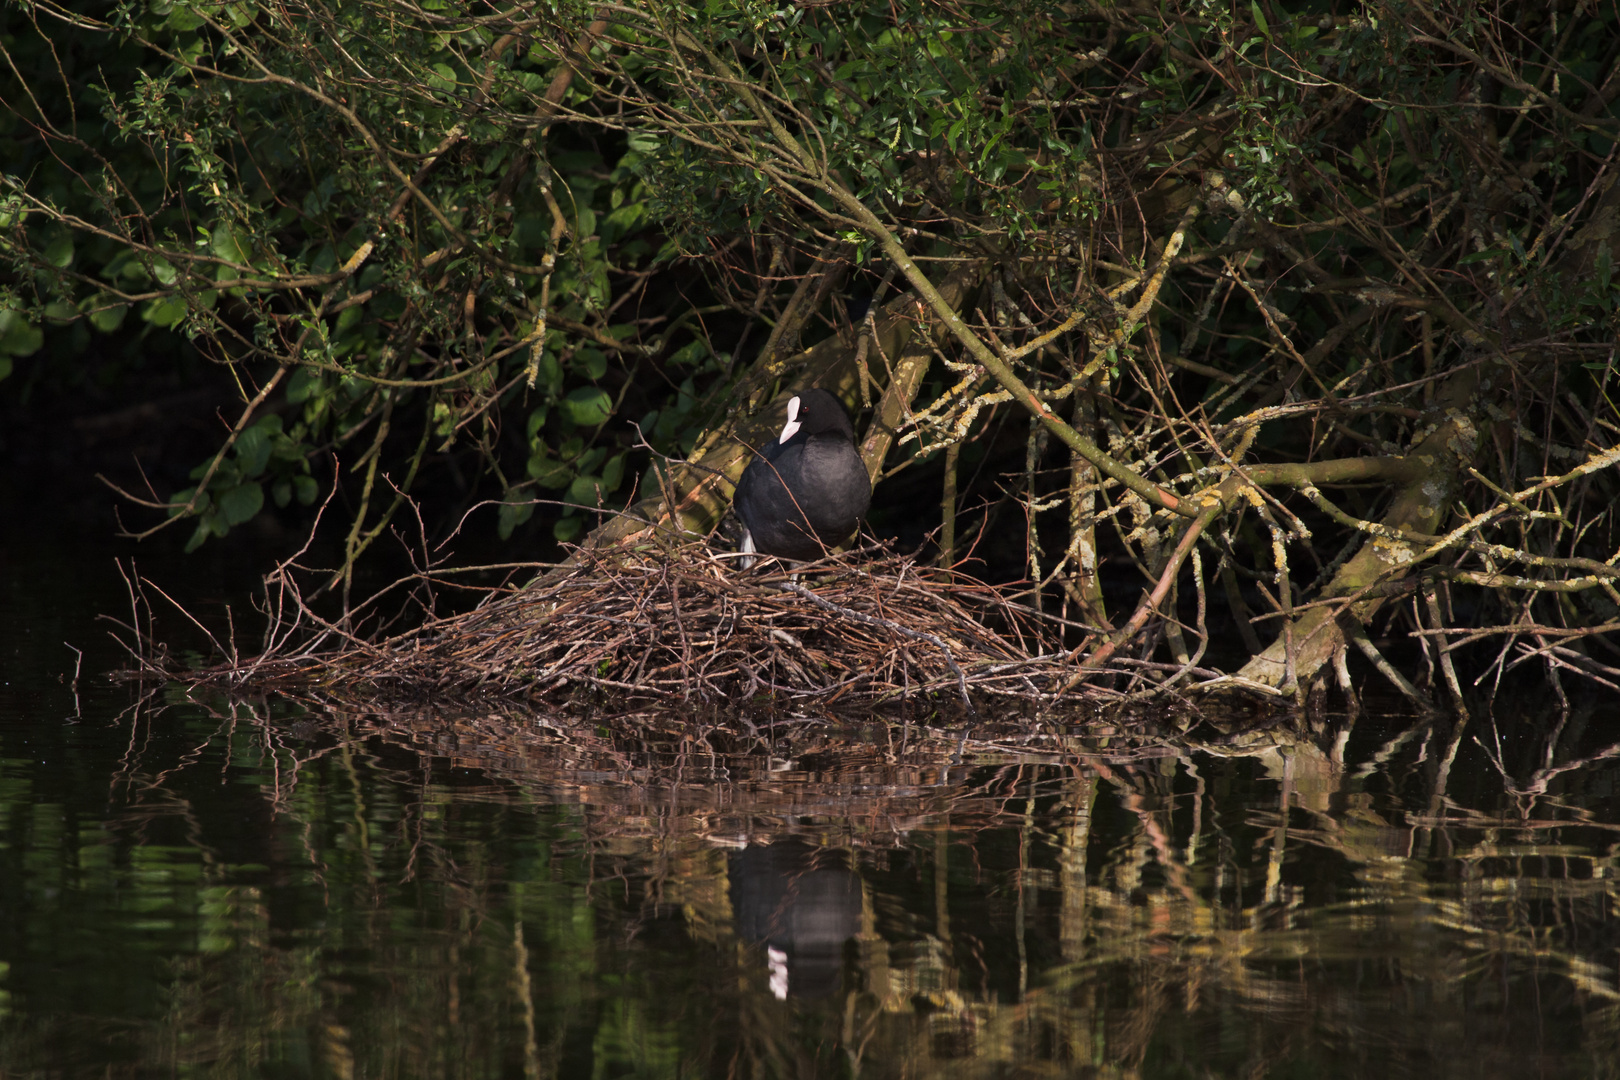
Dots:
(679, 622)
(667, 623)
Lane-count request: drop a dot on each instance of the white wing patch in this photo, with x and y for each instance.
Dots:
(791, 428)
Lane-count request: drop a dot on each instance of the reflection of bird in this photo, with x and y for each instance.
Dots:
(808, 488)
(802, 904)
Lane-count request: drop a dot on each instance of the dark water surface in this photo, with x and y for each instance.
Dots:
(191, 886)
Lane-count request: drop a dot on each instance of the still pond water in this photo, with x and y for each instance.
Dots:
(193, 886)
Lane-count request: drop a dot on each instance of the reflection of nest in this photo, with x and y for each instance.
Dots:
(653, 622)
(718, 775)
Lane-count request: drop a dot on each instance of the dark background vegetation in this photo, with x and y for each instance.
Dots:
(1296, 319)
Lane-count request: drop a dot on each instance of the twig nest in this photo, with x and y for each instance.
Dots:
(647, 621)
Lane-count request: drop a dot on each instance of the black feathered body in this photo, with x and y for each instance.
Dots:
(797, 498)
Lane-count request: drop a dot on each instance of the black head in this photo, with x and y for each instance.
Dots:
(816, 412)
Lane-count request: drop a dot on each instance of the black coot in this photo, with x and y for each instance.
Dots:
(807, 489)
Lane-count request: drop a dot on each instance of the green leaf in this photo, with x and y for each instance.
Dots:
(304, 382)
(105, 313)
(59, 252)
(281, 492)
(225, 476)
(198, 535)
(306, 489)
(623, 220)
(548, 472)
(445, 77)
(692, 353)
(177, 502)
(17, 336)
(253, 450)
(209, 524)
(1260, 18)
(230, 245)
(5, 366)
(537, 420)
(165, 311)
(591, 363)
(550, 372)
(241, 502)
(511, 516)
(587, 406)
(613, 473)
(184, 19)
(566, 528)
(126, 266)
(585, 491)
(1481, 256)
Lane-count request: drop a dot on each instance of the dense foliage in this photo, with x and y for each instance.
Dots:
(1315, 301)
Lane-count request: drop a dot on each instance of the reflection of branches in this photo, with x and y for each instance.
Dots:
(1168, 898)
(1537, 783)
